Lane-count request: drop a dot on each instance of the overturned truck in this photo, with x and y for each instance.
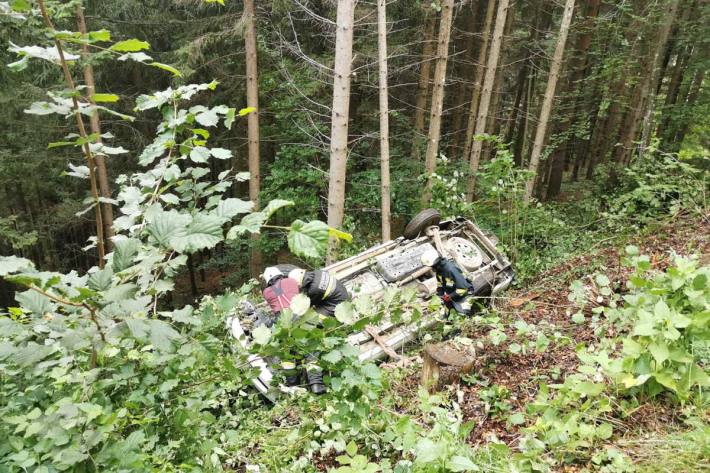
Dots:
(398, 263)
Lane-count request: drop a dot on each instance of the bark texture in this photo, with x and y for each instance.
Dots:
(95, 126)
(384, 119)
(255, 261)
(339, 118)
(437, 96)
(423, 85)
(478, 78)
(541, 132)
(486, 92)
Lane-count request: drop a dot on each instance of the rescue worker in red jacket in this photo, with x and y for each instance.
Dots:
(279, 293)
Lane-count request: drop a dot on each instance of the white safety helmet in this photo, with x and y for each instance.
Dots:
(297, 274)
(430, 257)
(270, 273)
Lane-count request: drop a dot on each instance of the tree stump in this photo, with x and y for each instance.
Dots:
(444, 364)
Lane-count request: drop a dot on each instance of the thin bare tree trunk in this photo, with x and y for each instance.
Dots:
(255, 260)
(649, 98)
(630, 125)
(578, 64)
(478, 77)
(423, 86)
(541, 132)
(339, 119)
(692, 97)
(437, 96)
(95, 124)
(489, 79)
(465, 70)
(384, 119)
(88, 154)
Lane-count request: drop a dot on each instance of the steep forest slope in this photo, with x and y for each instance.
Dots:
(156, 156)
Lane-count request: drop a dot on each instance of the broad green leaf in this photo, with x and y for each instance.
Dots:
(34, 302)
(130, 46)
(207, 118)
(200, 154)
(231, 207)
(48, 54)
(20, 5)
(246, 111)
(250, 223)
(100, 280)
(32, 353)
(275, 205)
(604, 431)
(162, 335)
(92, 410)
(334, 232)
(221, 153)
(261, 335)
(661, 310)
(665, 378)
(300, 304)
(166, 67)
(516, 419)
(345, 313)
(427, 451)
(588, 388)
(460, 463)
(602, 280)
(166, 226)
(99, 36)
(308, 239)
(659, 351)
(100, 98)
(13, 264)
(138, 57)
(333, 356)
(229, 118)
(205, 231)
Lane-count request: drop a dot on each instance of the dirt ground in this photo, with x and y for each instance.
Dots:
(545, 303)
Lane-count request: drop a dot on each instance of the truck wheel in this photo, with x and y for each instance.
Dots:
(420, 222)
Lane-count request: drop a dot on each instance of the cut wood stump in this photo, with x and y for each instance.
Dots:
(444, 363)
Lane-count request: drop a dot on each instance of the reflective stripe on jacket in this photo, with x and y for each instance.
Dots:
(324, 291)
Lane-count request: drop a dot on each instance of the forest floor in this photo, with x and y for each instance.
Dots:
(504, 382)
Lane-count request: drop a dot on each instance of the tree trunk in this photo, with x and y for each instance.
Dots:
(693, 94)
(642, 105)
(655, 80)
(339, 119)
(464, 87)
(95, 125)
(478, 77)
(384, 119)
(520, 83)
(489, 79)
(255, 260)
(676, 80)
(578, 66)
(88, 153)
(437, 96)
(443, 364)
(540, 134)
(423, 86)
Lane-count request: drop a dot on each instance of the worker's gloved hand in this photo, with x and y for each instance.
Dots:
(447, 301)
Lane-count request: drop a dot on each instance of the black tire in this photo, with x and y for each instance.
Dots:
(420, 222)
